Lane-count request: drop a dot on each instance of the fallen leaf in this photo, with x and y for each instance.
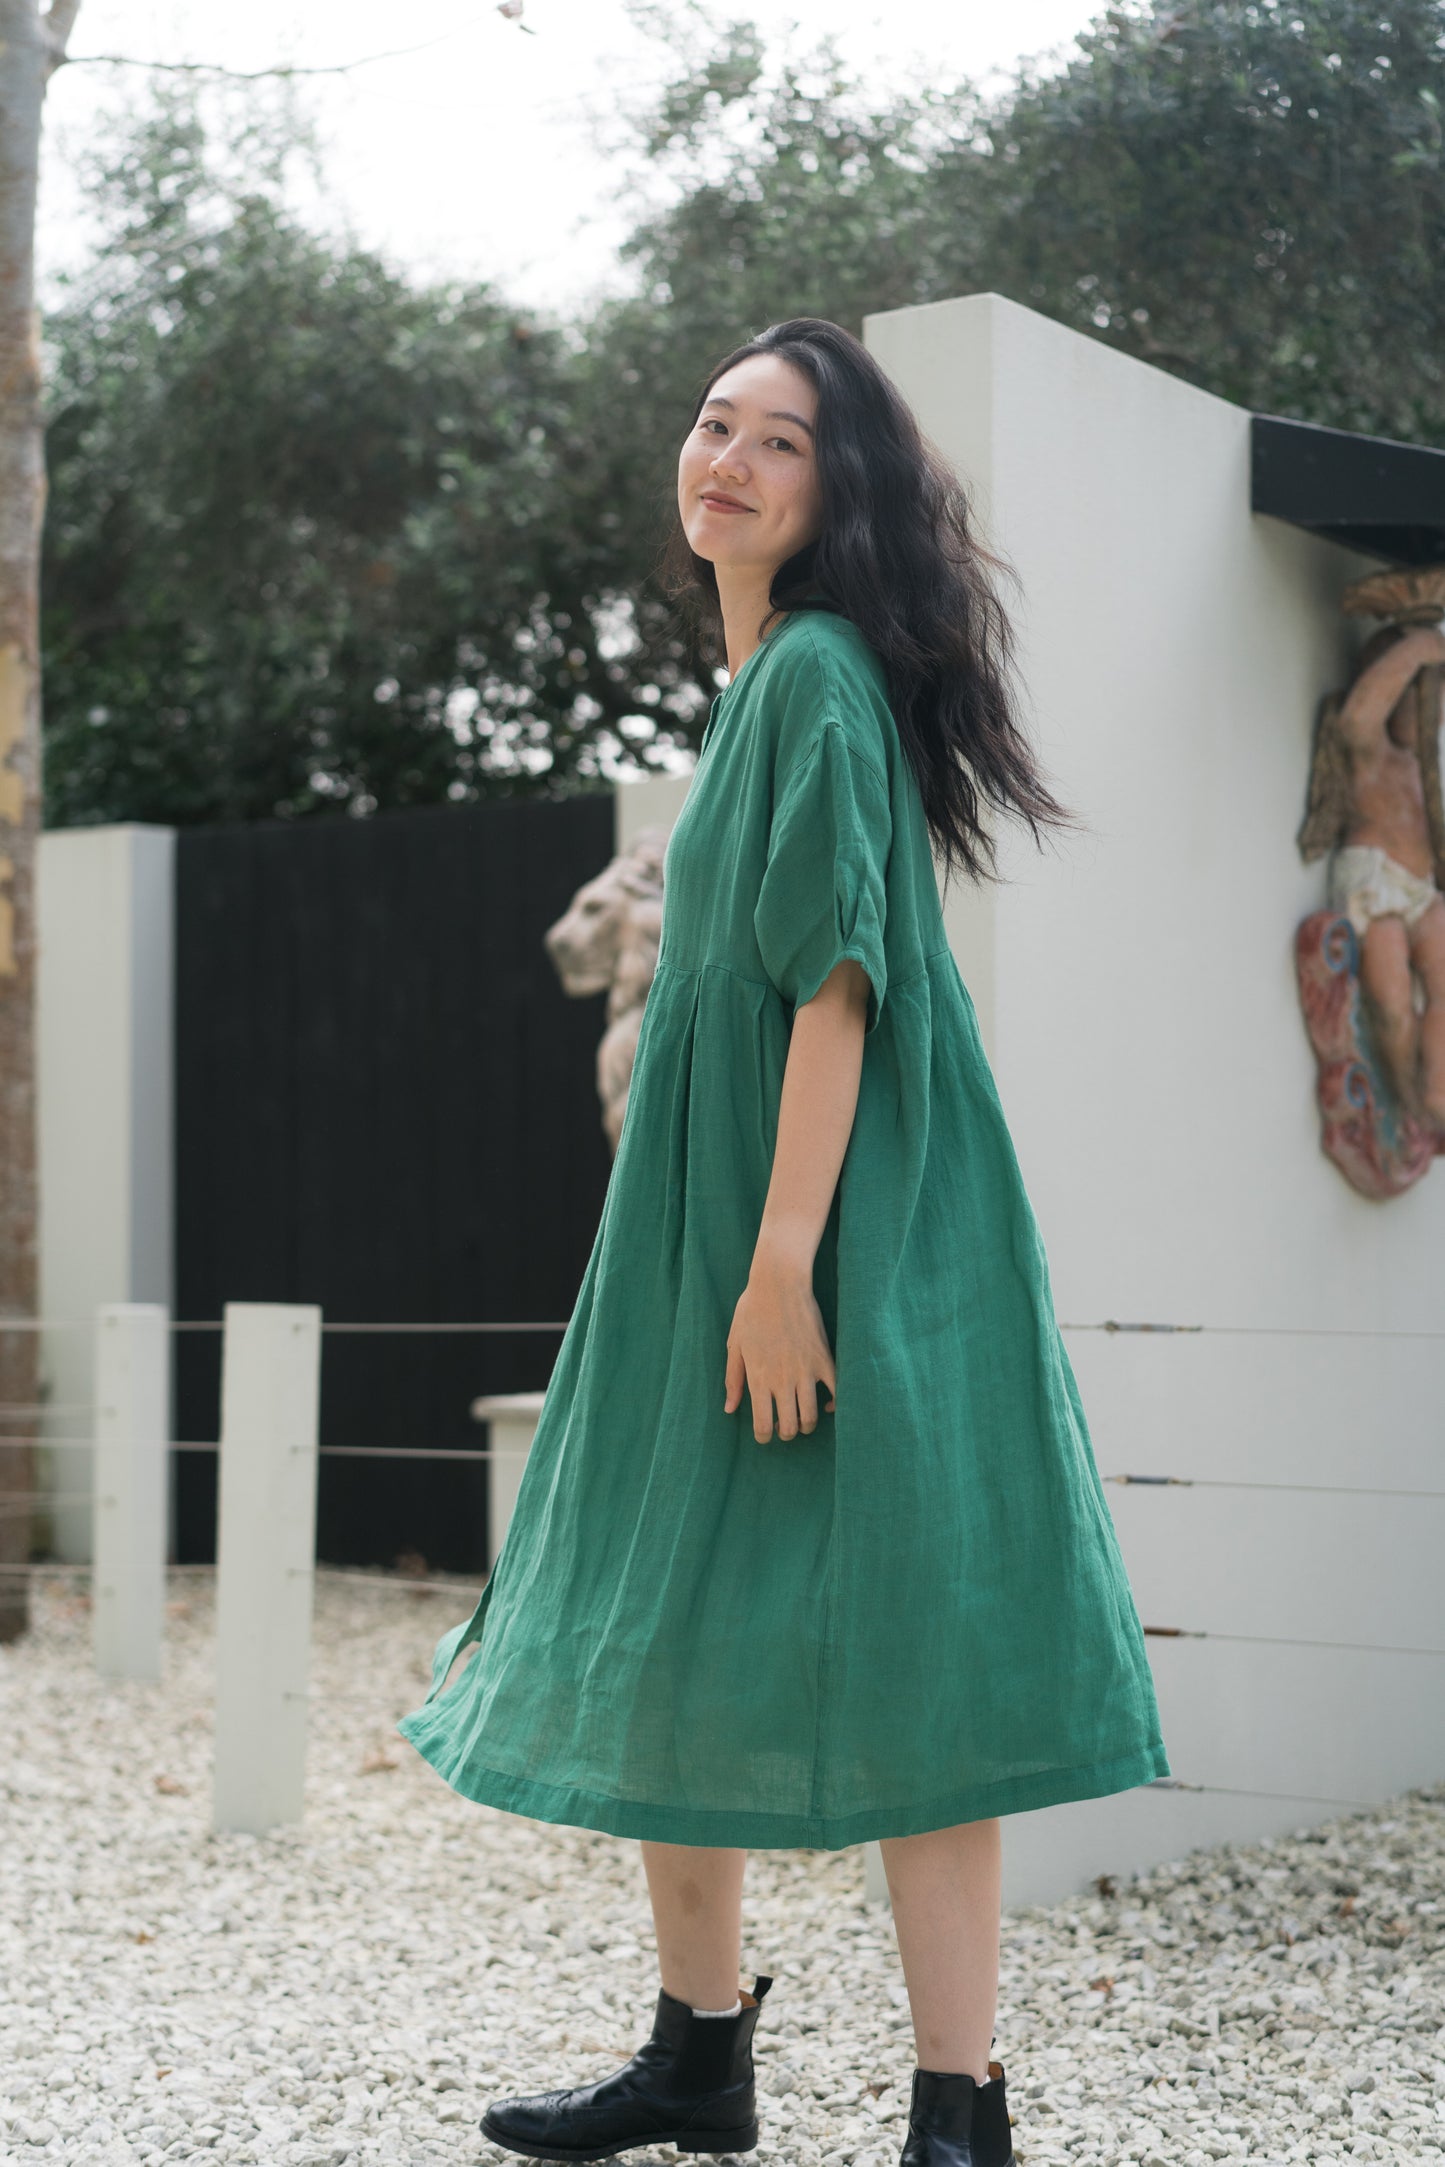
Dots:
(1102, 1985)
(375, 1763)
(143, 1937)
(171, 1787)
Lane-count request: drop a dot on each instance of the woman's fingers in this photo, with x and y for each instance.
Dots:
(781, 1380)
(788, 1415)
(735, 1380)
(797, 1407)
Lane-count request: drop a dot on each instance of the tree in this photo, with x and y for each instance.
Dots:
(320, 539)
(32, 46)
(1248, 193)
(403, 548)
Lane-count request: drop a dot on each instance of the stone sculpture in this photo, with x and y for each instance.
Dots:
(1371, 966)
(607, 941)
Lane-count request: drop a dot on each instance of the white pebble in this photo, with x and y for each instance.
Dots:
(353, 1991)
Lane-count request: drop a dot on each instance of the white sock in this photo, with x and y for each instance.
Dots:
(737, 2005)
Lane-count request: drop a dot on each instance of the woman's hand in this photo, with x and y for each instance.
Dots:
(778, 1347)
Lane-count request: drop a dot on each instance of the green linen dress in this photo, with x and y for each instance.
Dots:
(917, 1615)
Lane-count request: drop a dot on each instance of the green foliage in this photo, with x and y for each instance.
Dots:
(321, 539)
(1250, 195)
(318, 539)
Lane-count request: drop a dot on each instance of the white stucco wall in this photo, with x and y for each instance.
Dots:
(1136, 989)
(104, 1010)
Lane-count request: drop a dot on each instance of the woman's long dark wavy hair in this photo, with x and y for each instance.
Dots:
(897, 555)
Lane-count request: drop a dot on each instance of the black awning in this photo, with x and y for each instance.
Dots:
(1368, 492)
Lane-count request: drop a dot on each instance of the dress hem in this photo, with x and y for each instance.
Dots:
(706, 1825)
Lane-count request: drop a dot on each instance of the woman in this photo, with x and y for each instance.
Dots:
(727, 1612)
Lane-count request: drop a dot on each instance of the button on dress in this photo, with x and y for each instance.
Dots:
(917, 1615)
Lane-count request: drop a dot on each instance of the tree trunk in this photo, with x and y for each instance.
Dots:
(32, 45)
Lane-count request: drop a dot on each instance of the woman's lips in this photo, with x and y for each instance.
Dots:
(716, 503)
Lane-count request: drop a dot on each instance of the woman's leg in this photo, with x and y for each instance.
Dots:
(697, 1908)
(691, 2084)
(945, 1889)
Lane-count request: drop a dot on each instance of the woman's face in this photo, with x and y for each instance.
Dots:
(747, 476)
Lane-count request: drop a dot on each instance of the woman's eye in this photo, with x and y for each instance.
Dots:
(713, 423)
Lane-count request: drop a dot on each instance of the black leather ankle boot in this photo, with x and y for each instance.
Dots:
(953, 2121)
(690, 2086)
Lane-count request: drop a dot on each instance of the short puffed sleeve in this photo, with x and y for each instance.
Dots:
(824, 888)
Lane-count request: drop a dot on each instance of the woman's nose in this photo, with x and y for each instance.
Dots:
(728, 460)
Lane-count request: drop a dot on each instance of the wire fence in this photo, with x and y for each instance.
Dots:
(479, 1452)
(1105, 1324)
(1245, 1482)
(218, 1324)
(423, 1584)
(349, 1452)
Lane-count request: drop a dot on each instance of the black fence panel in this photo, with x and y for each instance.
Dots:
(386, 1104)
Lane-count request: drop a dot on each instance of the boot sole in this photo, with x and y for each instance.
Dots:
(681, 2140)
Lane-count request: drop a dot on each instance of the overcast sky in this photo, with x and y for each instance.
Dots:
(471, 156)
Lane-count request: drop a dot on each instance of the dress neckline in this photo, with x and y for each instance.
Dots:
(718, 698)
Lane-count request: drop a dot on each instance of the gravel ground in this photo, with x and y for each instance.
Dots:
(357, 1989)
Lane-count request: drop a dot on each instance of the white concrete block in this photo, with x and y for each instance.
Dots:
(132, 1431)
(512, 1419)
(265, 1560)
(105, 1057)
(1136, 994)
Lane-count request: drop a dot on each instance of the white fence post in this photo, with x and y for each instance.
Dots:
(128, 1541)
(513, 1419)
(265, 1560)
